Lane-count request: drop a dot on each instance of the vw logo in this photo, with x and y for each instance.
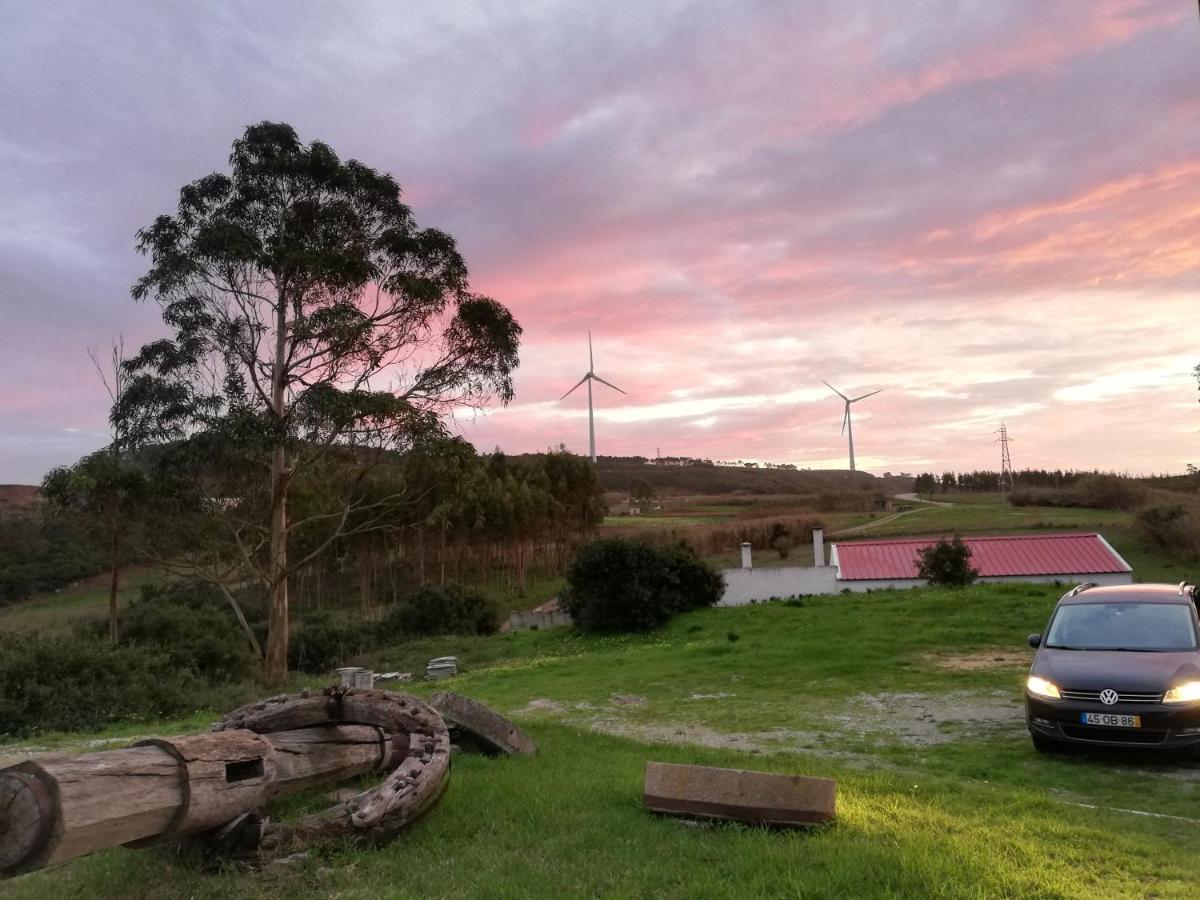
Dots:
(1108, 696)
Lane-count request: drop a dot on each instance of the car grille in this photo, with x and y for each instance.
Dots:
(1122, 696)
(1114, 736)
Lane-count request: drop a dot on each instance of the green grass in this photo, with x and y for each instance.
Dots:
(949, 808)
(994, 518)
(538, 589)
(981, 499)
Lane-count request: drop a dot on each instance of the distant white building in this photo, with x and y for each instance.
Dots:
(874, 565)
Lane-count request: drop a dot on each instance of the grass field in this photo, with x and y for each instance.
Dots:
(910, 699)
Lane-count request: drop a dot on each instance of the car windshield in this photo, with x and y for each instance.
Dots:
(1122, 626)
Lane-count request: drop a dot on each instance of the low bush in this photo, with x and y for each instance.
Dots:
(947, 563)
(79, 684)
(192, 624)
(1171, 528)
(44, 553)
(781, 540)
(324, 642)
(619, 584)
(439, 609)
(1092, 492)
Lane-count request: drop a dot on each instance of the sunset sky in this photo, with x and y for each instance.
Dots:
(990, 210)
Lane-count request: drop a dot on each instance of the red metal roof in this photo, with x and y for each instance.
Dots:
(1022, 554)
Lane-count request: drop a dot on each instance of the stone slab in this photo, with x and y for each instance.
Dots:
(481, 725)
(756, 797)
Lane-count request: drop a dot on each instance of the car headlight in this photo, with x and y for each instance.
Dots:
(1188, 692)
(1042, 688)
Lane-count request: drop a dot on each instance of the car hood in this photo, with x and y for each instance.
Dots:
(1121, 670)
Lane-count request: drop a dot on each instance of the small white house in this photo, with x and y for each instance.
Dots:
(872, 565)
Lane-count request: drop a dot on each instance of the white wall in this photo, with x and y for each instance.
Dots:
(744, 585)
(880, 584)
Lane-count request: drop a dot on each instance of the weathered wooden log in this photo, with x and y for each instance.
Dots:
(479, 727)
(56, 808)
(765, 798)
(380, 813)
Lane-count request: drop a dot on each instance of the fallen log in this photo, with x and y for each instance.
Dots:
(764, 798)
(56, 808)
(480, 727)
(379, 813)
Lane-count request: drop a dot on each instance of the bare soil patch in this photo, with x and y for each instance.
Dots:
(999, 658)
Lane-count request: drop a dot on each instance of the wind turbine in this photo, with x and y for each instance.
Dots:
(589, 378)
(847, 424)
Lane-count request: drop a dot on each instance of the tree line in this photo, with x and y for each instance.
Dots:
(989, 481)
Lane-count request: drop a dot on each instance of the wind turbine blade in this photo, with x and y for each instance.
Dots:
(846, 418)
(610, 384)
(865, 396)
(835, 390)
(591, 362)
(572, 390)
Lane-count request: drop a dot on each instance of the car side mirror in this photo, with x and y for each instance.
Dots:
(1035, 640)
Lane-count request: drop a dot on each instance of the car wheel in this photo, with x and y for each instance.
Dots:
(1045, 744)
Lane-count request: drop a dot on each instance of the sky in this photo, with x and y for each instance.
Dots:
(988, 210)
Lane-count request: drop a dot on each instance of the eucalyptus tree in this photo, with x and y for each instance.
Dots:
(316, 327)
(103, 487)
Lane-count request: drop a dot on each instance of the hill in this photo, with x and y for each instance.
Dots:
(619, 474)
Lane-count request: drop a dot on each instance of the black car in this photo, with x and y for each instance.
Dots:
(1117, 666)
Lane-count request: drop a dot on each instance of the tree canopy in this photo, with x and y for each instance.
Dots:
(315, 325)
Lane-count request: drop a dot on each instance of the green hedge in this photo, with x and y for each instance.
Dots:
(618, 584)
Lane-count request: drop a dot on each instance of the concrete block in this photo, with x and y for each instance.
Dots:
(755, 797)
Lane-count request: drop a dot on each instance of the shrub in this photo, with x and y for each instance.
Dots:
(1170, 528)
(190, 622)
(323, 643)
(1093, 492)
(44, 553)
(947, 563)
(76, 684)
(618, 584)
(445, 609)
(781, 540)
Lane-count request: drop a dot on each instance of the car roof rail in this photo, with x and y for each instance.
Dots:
(1185, 589)
(1080, 588)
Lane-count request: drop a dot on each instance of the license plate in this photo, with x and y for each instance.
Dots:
(1111, 719)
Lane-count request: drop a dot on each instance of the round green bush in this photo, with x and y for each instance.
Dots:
(439, 609)
(617, 584)
(191, 623)
(323, 642)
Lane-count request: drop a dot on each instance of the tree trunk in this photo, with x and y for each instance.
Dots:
(114, 585)
(275, 672)
(61, 807)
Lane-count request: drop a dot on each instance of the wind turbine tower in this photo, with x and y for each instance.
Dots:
(589, 377)
(847, 424)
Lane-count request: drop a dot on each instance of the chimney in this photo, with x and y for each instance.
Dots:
(746, 563)
(818, 546)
